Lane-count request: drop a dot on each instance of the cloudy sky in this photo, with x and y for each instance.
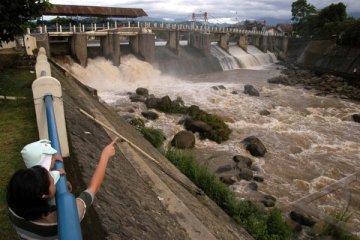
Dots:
(217, 9)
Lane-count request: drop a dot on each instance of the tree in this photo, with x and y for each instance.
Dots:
(333, 13)
(15, 14)
(300, 9)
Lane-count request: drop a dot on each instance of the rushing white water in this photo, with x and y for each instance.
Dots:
(227, 61)
(253, 58)
(311, 140)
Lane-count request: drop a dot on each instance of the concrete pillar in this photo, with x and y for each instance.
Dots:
(173, 42)
(271, 46)
(202, 42)
(134, 44)
(224, 41)
(257, 41)
(42, 40)
(243, 42)
(78, 48)
(147, 46)
(110, 45)
(264, 43)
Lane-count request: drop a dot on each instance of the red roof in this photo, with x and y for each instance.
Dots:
(76, 10)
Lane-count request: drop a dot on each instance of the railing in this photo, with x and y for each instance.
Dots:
(46, 90)
(149, 25)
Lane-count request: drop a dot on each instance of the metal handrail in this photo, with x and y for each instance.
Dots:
(67, 213)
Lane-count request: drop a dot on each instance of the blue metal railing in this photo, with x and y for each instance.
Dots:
(67, 214)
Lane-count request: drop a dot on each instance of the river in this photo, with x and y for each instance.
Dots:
(311, 140)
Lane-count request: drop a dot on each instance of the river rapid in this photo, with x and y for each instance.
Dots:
(311, 140)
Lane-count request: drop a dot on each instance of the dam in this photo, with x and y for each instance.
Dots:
(308, 133)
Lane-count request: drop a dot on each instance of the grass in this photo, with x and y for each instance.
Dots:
(325, 229)
(261, 223)
(18, 127)
(155, 136)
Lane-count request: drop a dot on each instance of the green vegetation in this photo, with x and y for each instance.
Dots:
(260, 223)
(331, 21)
(18, 127)
(325, 229)
(155, 136)
(15, 16)
(220, 131)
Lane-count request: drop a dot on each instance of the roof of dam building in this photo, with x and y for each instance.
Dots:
(76, 10)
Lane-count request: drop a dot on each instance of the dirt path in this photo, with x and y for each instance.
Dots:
(138, 200)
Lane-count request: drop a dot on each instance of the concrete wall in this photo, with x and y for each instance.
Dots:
(173, 42)
(110, 46)
(326, 56)
(243, 42)
(78, 46)
(147, 46)
(224, 41)
(201, 41)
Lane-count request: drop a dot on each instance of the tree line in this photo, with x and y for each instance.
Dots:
(330, 22)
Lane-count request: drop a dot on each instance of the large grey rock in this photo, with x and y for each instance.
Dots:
(251, 90)
(242, 161)
(197, 126)
(245, 174)
(150, 115)
(183, 140)
(268, 200)
(152, 102)
(137, 98)
(356, 117)
(142, 91)
(225, 168)
(302, 219)
(227, 179)
(254, 146)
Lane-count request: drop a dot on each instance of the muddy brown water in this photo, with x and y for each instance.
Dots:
(311, 140)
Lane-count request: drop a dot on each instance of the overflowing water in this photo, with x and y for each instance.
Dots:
(253, 58)
(226, 61)
(311, 140)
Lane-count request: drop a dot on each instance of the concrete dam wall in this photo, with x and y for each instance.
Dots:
(327, 57)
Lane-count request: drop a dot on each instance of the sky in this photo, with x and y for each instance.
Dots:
(218, 11)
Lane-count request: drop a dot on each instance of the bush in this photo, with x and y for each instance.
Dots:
(138, 123)
(155, 136)
(261, 224)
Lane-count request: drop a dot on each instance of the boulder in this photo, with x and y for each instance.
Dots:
(356, 117)
(164, 103)
(258, 179)
(254, 146)
(183, 140)
(137, 98)
(150, 115)
(302, 219)
(268, 200)
(253, 186)
(242, 161)
(251, 90)
(245, 174)
(225, 168)
(151, 102)
(227, 179)
(142, 91)
(197, 126)
(194, 110)
(264, 112)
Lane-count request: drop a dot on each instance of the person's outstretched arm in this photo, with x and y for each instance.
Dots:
(85, 199)
(99, 173)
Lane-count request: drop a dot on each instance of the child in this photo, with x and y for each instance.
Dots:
(41, 153)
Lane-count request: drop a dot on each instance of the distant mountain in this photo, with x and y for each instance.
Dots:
(269, 21)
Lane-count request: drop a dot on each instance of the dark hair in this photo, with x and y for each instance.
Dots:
(25, 191)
